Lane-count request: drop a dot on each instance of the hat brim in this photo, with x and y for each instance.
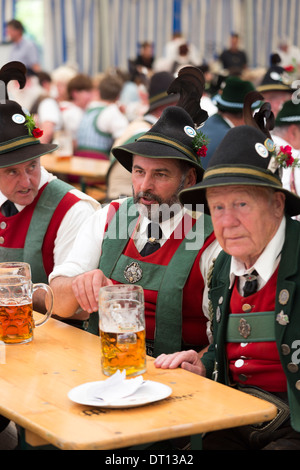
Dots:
(196, 195)
(146, 149)
(274, 87)
(159, 101)
(25, 153)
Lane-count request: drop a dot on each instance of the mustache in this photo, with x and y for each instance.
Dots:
(148, 195)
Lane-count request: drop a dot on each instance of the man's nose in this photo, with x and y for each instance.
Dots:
(24, 179)
(229, 218)
(147, 183)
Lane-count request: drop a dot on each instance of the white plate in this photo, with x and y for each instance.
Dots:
(148, 392)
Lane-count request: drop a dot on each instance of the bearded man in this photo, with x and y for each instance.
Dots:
(169, 259)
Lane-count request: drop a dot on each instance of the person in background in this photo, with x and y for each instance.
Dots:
(276, 86)
(254, 285)
(234, 59)
(46, 109)
(103, 121)
(24, 50)
(230, 113)
(79, 95)
(286, 134)
(142, 65)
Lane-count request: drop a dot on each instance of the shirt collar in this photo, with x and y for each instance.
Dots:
(167, 226)
(266, 264)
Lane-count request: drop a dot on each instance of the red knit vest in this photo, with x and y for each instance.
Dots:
(14, 229)
(256, 364)
(193, 319)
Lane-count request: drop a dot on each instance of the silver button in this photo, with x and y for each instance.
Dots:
(3, 225)
(1, 240)
(292, 367)
(239, 363)
(285, 349)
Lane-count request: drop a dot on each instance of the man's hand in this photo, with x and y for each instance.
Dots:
(188, 360)
(86, 289)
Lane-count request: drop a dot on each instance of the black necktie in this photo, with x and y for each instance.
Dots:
(8, 209)
(251, 284)
(154, 234)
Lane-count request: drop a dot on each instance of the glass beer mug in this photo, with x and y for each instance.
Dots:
(16, 290)
(122, 329)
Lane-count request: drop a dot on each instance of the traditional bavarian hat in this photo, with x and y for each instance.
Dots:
(232, 98)
(158, 95)
(18, 135)
(275, 79)
(173, 135)
(246, 156)
(289, 114)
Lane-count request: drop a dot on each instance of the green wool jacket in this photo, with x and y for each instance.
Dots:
(287, 336)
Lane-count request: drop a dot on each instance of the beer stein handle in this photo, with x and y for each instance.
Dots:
(48, 289)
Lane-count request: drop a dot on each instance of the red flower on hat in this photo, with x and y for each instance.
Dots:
(200, 143)
(37, 132)
(282, 157)
(202, 151)
(289, 69)
(285, 156)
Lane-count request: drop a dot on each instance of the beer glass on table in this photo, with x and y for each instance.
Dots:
(122, 329)
(16, 311)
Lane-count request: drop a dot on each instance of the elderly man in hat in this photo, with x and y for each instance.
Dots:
(230, 113)
(168, 259)
(118, 178)
(254, 289)
(40, 215)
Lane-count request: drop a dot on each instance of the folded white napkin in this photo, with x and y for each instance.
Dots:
(115, 387)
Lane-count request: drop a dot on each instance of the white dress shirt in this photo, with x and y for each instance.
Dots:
(265, 265)
(86, 252)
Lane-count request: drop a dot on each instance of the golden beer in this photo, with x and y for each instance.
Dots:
(123, 350)
(16, 323)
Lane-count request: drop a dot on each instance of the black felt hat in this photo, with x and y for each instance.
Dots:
(170, 137)
(275, 79)
(18, 143)
(245, 156)
(158, 95)
(173, 135)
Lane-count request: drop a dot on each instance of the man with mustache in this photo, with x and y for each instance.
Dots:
(113, 246)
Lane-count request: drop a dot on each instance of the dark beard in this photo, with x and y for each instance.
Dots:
(163, 210)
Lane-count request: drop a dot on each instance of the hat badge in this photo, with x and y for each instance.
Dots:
(189, 131)
(261, 150)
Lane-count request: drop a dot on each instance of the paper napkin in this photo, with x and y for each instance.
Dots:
(115, 387)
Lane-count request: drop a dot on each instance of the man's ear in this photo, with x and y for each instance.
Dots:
(191, 178)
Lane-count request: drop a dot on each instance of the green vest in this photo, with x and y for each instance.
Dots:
(168, 281)
(32, 251)
(287, 302)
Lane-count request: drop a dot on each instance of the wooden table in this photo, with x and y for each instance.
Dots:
(36, 378)
(77, 166)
